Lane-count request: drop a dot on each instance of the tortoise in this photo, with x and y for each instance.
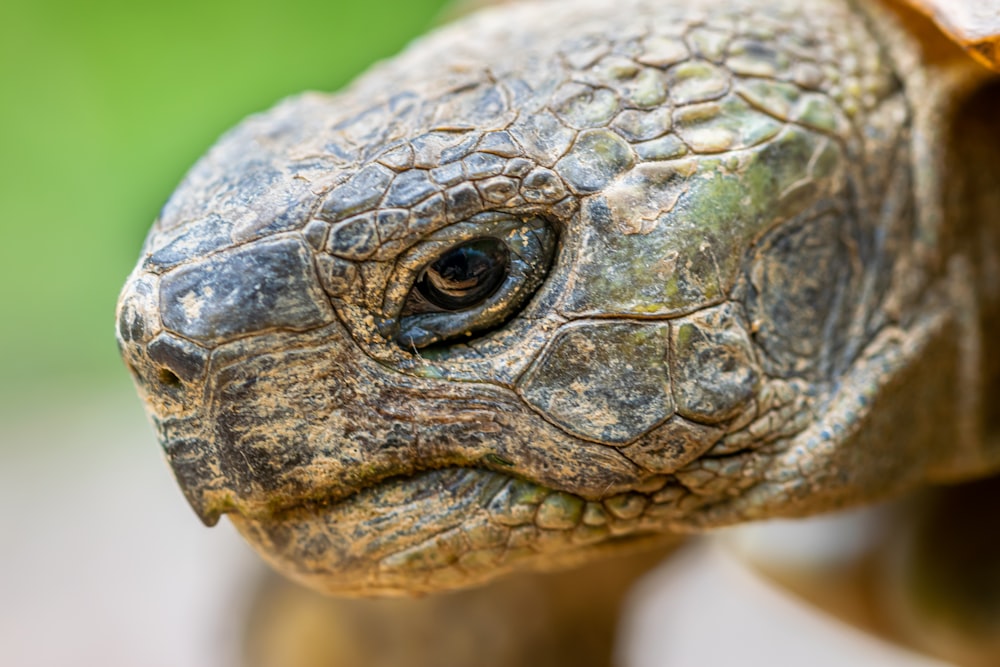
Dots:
(562, 279)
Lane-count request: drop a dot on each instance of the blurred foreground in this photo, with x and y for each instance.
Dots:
(105, 565)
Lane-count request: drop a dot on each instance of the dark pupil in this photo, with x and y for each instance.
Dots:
(466, 274)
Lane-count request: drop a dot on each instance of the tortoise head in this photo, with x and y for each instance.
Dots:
(525, 294)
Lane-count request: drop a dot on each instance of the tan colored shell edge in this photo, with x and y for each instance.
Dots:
(973, 24)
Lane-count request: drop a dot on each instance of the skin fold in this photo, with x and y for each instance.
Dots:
(751, 267)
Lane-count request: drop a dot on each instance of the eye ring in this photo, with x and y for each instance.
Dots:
(474, 279)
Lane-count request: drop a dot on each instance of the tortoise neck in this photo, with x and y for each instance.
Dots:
(955, 159)
(971, 200)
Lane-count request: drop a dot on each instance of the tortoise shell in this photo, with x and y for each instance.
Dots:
(973, 24)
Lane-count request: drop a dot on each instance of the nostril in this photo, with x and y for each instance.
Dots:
(178, 359)
(168, 378)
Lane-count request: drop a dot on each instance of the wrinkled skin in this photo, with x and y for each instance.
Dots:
(740, 286)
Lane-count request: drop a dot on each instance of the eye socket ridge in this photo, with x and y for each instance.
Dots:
(475, 281)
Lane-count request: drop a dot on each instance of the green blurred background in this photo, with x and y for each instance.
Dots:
(104, 106)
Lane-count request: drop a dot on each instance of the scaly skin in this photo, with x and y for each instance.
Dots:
(732, 293)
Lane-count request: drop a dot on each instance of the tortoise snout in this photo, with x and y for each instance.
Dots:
(169, 322)
(160, 361)
(138, 317)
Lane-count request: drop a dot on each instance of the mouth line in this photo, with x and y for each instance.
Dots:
(623, 506)
(509, 495)
(511, 500)
(327, 498)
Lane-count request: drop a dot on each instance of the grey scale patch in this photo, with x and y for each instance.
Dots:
(251, 288)
(604, 381)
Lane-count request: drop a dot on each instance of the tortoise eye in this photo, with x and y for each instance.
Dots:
(465, 275)
(472, 278)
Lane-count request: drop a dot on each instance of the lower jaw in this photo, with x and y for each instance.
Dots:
(443, 529)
